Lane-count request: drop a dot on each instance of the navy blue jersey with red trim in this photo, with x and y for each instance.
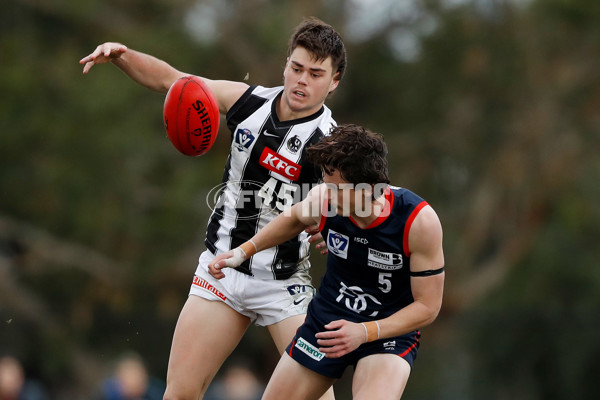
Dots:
(368, 269)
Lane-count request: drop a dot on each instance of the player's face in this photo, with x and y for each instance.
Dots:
(347, 198)
(307, 83)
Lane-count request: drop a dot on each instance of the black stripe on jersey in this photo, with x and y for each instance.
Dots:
(289, 252)
(245, 106)
(246, 227)
(216, 216)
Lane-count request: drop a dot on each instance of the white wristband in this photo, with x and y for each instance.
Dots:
(366, 332)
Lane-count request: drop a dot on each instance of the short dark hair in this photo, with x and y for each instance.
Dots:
(356, 152)
(322, 41)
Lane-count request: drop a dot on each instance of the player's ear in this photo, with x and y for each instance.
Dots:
(285, 68)
(334, 82)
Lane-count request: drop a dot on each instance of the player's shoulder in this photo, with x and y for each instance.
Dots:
(227, 93)
(406, 196)
(265, 92)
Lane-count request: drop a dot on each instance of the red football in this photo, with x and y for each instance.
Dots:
(191, 116)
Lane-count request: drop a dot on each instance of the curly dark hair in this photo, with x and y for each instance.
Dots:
(321, 40)
(356, 152)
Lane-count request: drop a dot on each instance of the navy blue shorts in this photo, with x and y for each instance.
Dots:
(305, 350)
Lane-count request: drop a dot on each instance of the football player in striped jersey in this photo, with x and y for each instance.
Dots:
(266, 172)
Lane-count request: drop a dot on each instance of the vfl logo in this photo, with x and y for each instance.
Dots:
(279, 164)
(293, 144)
(300, 292)
(337, 244)
(297, 289)
(309, 349)
(243, 139)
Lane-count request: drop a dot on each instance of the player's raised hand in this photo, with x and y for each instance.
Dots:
(340, 338)
(104, 53)
(317, 238)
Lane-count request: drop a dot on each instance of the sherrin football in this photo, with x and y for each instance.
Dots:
(191, 116)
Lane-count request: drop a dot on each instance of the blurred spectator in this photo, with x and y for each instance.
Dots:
(131, 381)
(13, 382)
(238, 382)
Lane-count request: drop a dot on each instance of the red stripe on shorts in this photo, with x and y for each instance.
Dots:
(411, 347)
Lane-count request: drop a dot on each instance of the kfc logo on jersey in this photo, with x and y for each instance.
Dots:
(279, 164)
(337, 244)
(243, 139)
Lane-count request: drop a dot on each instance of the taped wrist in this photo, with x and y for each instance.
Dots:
(371, 330)
(249, 248)
(239, 256)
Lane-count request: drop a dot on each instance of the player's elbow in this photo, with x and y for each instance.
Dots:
(430, 312)
(433, 314)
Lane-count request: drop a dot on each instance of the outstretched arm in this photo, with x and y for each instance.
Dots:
(156, 74)
(144, 69)
(287, 225)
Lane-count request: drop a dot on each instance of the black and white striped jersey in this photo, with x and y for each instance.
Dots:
(265, 173)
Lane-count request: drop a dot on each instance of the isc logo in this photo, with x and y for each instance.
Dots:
(278, 163)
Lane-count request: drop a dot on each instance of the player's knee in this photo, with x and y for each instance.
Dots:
(185, 393)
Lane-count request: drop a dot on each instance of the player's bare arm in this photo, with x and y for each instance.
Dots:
(287, 225)
(144, 69)
(226, 92)
(156, 74)
(427, 277)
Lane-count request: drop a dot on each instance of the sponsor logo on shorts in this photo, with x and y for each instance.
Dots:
(299, 288)
(201, 283)
(300, 292)
(309, 349)
(383, 260)
(391, 345)
(300, 300)
(337, 244)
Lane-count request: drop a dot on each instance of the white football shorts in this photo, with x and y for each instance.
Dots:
(264, 301)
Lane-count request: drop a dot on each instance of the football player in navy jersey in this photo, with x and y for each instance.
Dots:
(384, 278)
(271, 128)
